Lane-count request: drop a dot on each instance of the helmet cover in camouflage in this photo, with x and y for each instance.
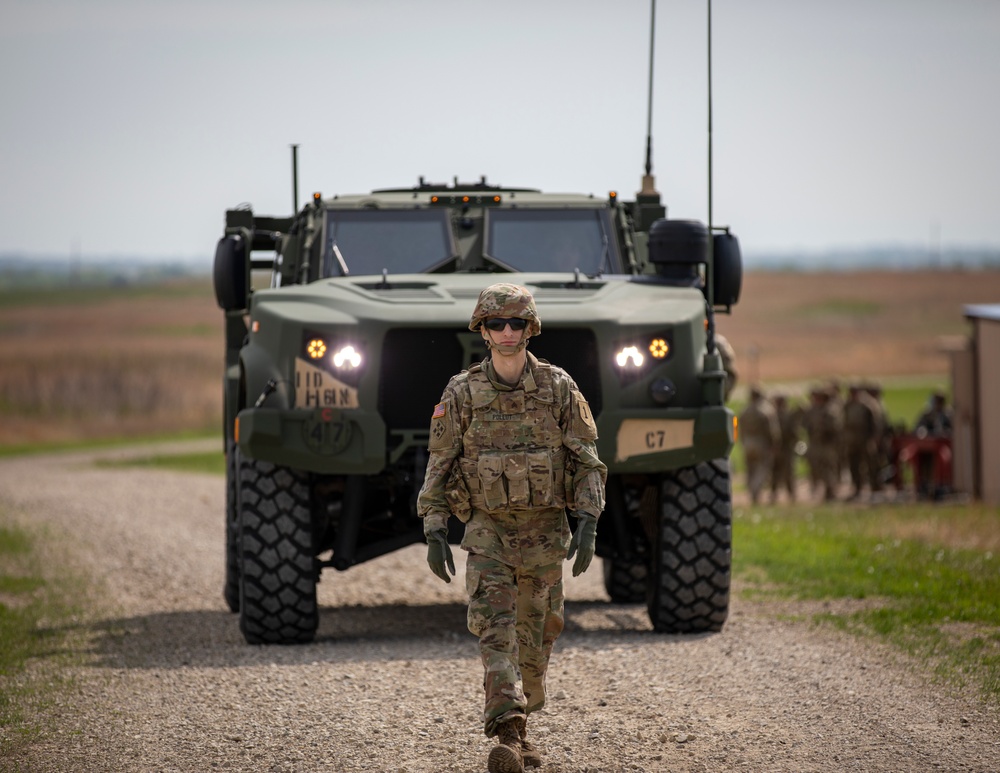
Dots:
(506, 301)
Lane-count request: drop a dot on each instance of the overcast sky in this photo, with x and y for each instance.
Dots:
(127, 127)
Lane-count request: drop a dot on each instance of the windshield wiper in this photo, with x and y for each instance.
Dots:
(340, 259)
(605, 252)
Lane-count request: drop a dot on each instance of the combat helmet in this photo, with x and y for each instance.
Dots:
(506, 300)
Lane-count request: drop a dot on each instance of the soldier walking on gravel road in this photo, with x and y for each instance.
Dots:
(512, 448)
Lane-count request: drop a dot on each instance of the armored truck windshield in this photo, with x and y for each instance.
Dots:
(398, 241)
(370, 241)
(551, 240)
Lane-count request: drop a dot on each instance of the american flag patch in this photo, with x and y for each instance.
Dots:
(438, 411)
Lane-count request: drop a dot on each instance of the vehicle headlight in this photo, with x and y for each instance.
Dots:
(639, 355)
(629, 356)
(347, 357)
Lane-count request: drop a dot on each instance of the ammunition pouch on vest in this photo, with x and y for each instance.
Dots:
(514, 458)
(516, 480)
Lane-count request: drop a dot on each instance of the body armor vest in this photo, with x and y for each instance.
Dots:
(513, 456)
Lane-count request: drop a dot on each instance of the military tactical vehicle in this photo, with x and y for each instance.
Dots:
(334, 368)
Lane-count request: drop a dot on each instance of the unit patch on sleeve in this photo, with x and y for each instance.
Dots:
(441, 430)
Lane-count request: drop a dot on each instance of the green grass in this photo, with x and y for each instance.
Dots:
(33, 613)
(937, 602)
(25, 449)
(200, 330)
(213, 462)
(850, 308)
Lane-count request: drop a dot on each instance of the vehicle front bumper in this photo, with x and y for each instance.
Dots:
(644, 441)
(324, 440)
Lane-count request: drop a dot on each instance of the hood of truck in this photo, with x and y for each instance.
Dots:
(449, 299)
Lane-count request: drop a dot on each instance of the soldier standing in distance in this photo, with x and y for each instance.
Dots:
(878, 462)
(783, 468)
(825, 431)
(810, 423)
(936, 422)
(759, 434)
(728, 355)
(935, 419)
(835, 406)
(862, 426)
(512, 448)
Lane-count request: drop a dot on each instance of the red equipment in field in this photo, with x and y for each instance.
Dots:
(930, 459)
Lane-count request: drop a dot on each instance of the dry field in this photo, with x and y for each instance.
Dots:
(801, 326)
(134, 361)
(109, 363)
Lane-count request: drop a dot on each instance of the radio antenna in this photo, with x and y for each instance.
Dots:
(710, 273)
(295, 179)
(648, 181)
(710, 118)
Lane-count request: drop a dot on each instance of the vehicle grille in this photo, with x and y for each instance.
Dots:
(417, 363)
(575, 351)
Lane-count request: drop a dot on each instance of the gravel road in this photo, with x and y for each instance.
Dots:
(164, 681)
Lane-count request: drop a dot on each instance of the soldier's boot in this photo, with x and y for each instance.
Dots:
(531, 757)
(506, 756)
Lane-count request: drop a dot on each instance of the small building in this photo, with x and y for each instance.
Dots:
(975, 381)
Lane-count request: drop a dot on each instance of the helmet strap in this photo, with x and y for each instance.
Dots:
(506, 350)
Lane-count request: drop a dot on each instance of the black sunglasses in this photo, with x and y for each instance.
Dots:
(499, 323)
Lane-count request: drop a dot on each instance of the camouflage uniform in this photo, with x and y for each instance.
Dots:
(878, 463)
(862, 429)
(810, 419)
(759, 433)
(783, 467)
(835, 406)
(728, 355)
(509, 461)
(824, 424)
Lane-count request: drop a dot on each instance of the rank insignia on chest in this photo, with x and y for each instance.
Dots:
(438, 411)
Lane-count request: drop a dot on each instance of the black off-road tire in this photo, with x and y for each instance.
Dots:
(626, 580)
(231, 589)
(692, 557)
(278, 571)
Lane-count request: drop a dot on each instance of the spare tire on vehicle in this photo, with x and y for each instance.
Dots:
(229, 274)
(727, 279)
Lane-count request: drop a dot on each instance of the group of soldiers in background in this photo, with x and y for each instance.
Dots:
(836, 431)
